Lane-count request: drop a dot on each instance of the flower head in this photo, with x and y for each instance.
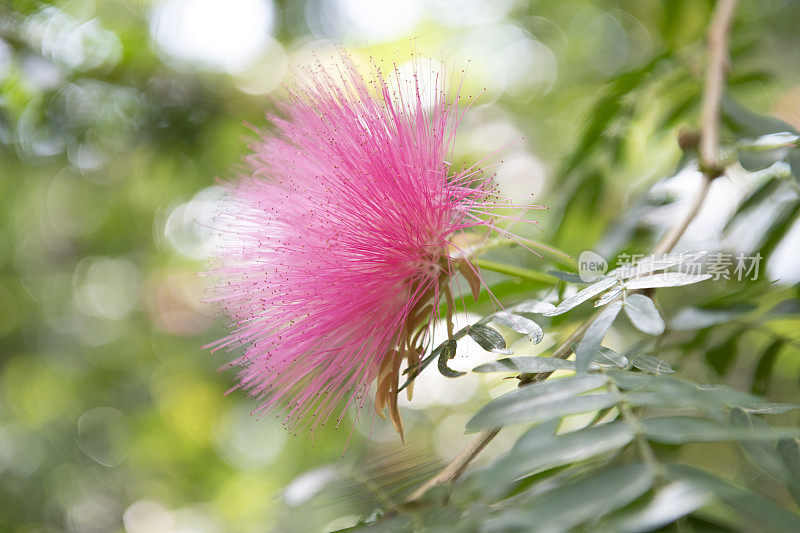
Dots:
(338, 245)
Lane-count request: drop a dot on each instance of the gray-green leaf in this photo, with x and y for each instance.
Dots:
(576, 299)
(643, 314)
(560, 450)
(768, 515)
(665, 279)
(528, 364)
(683, 429)
(652, 364)
(589, 346)
(583, 500)
(543, 401)
(569, 277)
(489, 339)
(520, 324)
(670, 503)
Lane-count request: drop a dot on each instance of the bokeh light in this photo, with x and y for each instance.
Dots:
(120, 118)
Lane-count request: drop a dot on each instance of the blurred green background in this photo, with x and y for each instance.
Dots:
(117, 116)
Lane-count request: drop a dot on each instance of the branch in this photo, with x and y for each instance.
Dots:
(456, 467)
(718, 34)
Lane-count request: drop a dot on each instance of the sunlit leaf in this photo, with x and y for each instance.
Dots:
(652, 364)
(535, 307)
(607, 356)
(520, 324)
(669, 503)
(589, 345)
(779, 228)
(665, 279)
(610, 296)
(527, 364)
(589, 292)
(760, 194)
(643, 314)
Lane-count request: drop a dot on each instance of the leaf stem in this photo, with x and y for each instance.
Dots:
(718, 63)
(515, 271)
(559, 257)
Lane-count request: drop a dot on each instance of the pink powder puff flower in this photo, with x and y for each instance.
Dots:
(337, 247)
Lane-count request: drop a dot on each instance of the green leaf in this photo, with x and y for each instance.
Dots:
(520, 324)
(721, 356)
(789, 450)
(527, 364)
(608, 297)
(693, 318)
(607, 356)
(569, 277)
(765, 364)
(766, 514)
(556, 451)
(448, 352)
(790, 306)
(636, 348)
(643, 314)
(761, 193)
(763, 454)
(543, 401)
(669, 503)
(589, 345)
(534, 306)
(639, 381)
(538, 434)
(682, 396)
(665, 279)
(683, 429)
(748, 124)
(489, 339)
(581, 296)
(652, 364)
(583, 500)
(533, 276)
(779, 228)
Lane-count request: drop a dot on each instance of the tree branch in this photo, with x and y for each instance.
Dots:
(718, 34)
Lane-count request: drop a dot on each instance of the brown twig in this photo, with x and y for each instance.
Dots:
(719, 31)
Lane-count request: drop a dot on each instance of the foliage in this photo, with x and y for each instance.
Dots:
(678, 411)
